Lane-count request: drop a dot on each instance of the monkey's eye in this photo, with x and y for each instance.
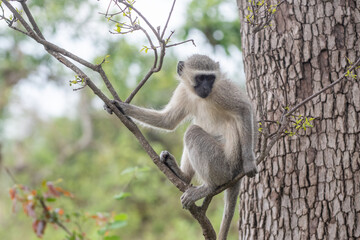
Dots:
(201, 78)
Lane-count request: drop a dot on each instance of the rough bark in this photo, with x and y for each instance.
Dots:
(309, 185)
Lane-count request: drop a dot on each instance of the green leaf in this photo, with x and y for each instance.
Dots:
(129, 170)
(102, 231)
(112, 238)
(121, 217)
(116, 225)
(145, 49)
(350, 62)
(143, 169)
(122, 195)
(118, 28)
(50, 199)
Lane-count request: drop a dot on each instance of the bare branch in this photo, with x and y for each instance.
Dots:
(143, 17)
(168, 19)
(31, 19)
(179, 43)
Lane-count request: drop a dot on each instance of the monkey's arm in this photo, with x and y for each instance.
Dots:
(232, 99)
(168, 118)
(247, 137)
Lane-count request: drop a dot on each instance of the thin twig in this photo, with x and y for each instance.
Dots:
(168, 19)
(48, 215)
(143, 17)
(140, 85)
(179, 43)
(12, 177)
(31, 19)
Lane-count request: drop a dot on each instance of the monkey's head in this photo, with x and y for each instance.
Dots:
(199, 72)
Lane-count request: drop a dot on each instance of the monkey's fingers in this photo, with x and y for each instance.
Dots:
(106, 108)
(189, 197)
(164, 155)
(252, 173)
(250, 168)
(118, 105)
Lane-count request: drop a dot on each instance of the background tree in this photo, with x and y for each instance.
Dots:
(308, 187)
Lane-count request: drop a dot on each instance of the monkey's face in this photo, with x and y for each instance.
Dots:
(199, 73)
(204, 84)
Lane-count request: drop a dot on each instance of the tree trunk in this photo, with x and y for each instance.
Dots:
(309, 185)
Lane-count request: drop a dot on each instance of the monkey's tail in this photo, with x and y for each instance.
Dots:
(231, 195)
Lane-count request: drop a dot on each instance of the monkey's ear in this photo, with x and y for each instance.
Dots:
(180, 67)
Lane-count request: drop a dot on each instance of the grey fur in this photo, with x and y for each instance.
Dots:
(218, 145)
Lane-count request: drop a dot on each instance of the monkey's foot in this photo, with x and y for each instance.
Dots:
(192, 194)
(250, 169)
(170, 162)
(167, 159)
(164, 155)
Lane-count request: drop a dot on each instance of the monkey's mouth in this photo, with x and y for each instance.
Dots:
(202, 92)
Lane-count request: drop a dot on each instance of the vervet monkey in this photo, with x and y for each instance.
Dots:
(219, 144)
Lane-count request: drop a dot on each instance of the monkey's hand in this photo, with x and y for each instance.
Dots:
(249, 165)
(117, 103)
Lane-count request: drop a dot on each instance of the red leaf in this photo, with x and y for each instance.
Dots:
(59, 211)
(52, 189)
(39, 227)
(30, 209)
(12, 193)
(13, 197)
(66, 193)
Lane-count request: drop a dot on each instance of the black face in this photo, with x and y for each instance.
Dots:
(204, 84)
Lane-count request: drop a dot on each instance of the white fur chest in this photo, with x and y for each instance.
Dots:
(213, 120)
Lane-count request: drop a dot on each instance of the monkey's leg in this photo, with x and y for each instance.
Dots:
(207, 157)
(247, 139)
(169, 160)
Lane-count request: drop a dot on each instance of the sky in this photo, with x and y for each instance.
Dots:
(51, 101)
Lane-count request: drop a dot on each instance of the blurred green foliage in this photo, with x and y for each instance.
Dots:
(96, 174)
(213, 19)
